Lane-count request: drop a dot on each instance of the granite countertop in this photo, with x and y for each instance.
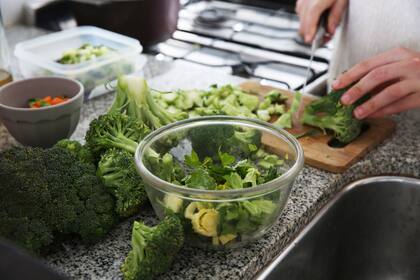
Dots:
(398, 155)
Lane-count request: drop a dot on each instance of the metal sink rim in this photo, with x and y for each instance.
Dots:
(349, 187)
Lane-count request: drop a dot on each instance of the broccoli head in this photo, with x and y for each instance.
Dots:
(82, 152)
(118, 173)
(328, 113)
(153, 248)
(206, 140)
(46, 194)
(115, 130)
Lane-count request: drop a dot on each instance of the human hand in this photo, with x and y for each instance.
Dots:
(396, 73)
(309, 12)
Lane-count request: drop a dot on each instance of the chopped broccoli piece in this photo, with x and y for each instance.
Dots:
(244, 141)
(263, 114)
(153, 249)
(47, 194)
(173, 202)
(276, 109)
(118, 173)
(206, 222)
(271, 98)
(285, 120)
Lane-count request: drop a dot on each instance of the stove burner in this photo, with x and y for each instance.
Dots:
(210, 17)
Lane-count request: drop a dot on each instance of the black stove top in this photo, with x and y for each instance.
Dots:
(244, 40)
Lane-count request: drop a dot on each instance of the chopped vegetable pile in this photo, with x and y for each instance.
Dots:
(46, 101)
(84, 53)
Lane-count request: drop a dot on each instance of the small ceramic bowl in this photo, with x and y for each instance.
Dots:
(40, 127)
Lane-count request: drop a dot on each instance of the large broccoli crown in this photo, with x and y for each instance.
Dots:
(118, 172)
(48, 193)
(153, 248)
(328, 113)
(115, 130)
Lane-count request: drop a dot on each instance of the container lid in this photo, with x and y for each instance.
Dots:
(38, 51)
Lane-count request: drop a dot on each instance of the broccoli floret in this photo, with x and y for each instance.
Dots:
(115, 130)
(46, 194)
(153, 248)
(328, 113)
(206, 140)
(118, 172)
(82, 152)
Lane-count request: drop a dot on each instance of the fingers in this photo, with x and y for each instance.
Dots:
(310, 12)
(365, 66)
(298, 7)
(335, 15)
(387, 97)
(410, 102)
(408, 68)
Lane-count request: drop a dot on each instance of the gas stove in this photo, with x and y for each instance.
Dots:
(253, 42)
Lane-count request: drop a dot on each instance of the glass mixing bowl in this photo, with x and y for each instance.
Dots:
(218, 219)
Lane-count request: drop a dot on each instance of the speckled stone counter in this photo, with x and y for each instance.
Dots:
(312, 189)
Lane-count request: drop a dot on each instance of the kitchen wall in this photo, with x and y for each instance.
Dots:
(12, 11)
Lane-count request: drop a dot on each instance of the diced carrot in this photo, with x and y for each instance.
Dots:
(56, 100)
(47, 99)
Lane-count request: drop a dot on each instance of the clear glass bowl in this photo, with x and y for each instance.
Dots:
(218, 219)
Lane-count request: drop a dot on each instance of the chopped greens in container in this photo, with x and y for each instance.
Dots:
(85, 53)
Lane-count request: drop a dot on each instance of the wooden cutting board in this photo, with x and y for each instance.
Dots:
(318, 152)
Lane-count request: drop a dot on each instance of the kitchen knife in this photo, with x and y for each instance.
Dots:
(316, 43)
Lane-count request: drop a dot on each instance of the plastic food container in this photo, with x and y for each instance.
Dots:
(224, 205)
(38, 57)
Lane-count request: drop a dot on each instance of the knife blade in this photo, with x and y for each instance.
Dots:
(316, 43)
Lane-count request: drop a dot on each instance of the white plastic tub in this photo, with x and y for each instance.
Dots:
(38, 57)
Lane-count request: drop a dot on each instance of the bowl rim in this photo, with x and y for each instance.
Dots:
(47, 108)
(284, 180)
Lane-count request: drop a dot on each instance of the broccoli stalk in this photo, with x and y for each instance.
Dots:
(118, 172)
(153, 248)
(328, 113)
(141, 104)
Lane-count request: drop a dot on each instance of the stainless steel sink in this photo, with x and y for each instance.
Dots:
(370, 230)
